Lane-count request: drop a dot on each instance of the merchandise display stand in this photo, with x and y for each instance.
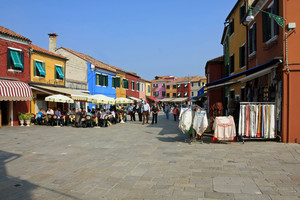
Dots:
(257, 121)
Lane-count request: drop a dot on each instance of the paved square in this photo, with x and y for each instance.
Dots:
(135, 161)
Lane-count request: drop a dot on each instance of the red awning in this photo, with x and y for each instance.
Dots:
(152, 99)
(14, 91)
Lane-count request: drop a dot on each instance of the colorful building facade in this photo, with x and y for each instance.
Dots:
(132, 84)
(15, 95)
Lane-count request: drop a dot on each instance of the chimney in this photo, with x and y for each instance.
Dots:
(52, 41)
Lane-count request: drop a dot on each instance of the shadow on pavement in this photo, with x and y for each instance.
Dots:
(16, 188)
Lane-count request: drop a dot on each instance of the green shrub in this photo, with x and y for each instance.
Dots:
(21, 116)
(27, 116)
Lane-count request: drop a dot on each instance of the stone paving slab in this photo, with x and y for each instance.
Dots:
(135, 161)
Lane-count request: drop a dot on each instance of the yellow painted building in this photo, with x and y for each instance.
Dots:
(148, 88)
(48, 69)
(121, 92)
(171, 89)
(237, 37)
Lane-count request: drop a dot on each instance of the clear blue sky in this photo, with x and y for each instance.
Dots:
(149, 37)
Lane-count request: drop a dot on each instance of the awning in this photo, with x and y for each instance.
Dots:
(152, 99)
(14, 91)
(224, 81)
(75, 95)
(60, 72)
(179, 99)
(135, 99)
(166, 99)
(15, 56)
(59, 98)
(258, 74)
(40, 68)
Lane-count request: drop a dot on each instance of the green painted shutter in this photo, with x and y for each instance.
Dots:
(97, 79)
(113, 81)
(34, 68)
(101, 79)
(55, 72)
(106, 80)
(119, 82)
(22, 59)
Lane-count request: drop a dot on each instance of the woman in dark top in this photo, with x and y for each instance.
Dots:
(154, 111)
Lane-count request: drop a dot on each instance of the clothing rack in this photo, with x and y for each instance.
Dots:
(243, 138)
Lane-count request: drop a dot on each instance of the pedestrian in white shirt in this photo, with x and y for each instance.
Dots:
(146, 112)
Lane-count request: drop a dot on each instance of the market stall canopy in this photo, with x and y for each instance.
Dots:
(135, 99)
(59, 98)
(101, 99)
(152, 99)
(74, 94)
(166, 99)
(180, 99)
(122, 100)
(14, 91)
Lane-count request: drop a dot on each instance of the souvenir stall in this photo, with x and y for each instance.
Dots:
(257, 120)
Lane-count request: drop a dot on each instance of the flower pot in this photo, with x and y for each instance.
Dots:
(28, 122)
(22, 122)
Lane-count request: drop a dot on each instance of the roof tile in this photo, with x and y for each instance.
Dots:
(9, 32)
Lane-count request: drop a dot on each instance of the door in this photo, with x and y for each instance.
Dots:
(4, 113)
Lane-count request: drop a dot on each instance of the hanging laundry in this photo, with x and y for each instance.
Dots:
(200, 122)
(186, 119)
(224, 128)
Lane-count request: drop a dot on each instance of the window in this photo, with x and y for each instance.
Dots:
(185, 85)
(231, 27)
(155, 85)
(174, 86)
(142, 87)
(101, 80)
(192, 84)
(155, 93)
(252, 39)
(163, 85)
(15, 59)
(186, 94)
(178, 86)
(179, 94)
(59, 74)
(192, 94)
(163, 93)
(137, 86)
(132, 85)
(199, 83)
(168, 86)
(116, 82)
(270, 27)
(231, 64)
(242, 12)
(174, 94)
(243, 56)
(203, 83)
(149, 88)
(125, 83)
(39, 68)
(168, 94)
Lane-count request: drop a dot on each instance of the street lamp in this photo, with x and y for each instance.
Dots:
(278, 19)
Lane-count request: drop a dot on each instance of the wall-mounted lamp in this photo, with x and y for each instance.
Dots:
(92, 67)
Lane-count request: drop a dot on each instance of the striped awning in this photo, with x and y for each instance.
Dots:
(14, 91)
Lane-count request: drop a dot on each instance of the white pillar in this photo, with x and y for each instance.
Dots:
(11, 113)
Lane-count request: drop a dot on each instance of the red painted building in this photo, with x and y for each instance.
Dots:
(133, 85)
(15, 94)
(214, 70)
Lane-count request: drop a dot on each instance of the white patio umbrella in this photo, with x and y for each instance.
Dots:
(101, 99)
(122, 100)
(59, 98)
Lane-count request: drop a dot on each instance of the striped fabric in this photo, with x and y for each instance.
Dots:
(14, 91)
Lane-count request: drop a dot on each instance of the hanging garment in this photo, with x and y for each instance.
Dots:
(200, 122)
(181, 111)
(252, 121)
(242, 121)
(225, 128)
(247, 132)
(263, 114)
(256, 120)
(185, 122)
(259, 122)
(272, 121)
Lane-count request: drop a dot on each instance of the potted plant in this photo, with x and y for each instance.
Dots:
(27, 117)
(21, 118)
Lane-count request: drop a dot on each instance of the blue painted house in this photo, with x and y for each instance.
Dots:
(100, 78)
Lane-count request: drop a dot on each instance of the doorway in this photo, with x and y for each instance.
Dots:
(4, 105)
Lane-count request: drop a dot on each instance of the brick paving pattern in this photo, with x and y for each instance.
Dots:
(135, 161)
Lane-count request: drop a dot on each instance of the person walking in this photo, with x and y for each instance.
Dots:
(175, 113)
(167, 110)
(140, 112)
(154, 114)
(146, 112)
